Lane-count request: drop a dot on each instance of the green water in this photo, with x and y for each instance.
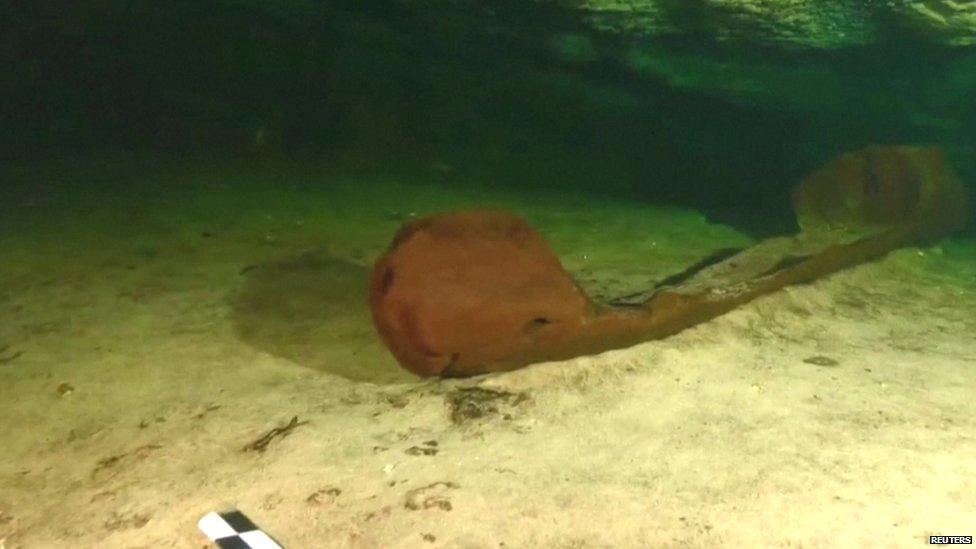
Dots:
(192, 196)
(519, 94)
(155, 140)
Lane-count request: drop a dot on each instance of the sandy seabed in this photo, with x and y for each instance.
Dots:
(150, 333)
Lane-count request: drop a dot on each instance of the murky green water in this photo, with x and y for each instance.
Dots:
(192, 196)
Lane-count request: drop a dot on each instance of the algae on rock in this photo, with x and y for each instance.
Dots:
(821, 24)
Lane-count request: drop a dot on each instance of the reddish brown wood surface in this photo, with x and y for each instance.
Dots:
(471, 292)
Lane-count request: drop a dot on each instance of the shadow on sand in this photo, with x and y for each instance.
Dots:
(312, 310)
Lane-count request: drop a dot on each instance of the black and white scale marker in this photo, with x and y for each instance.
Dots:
(233, 530)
